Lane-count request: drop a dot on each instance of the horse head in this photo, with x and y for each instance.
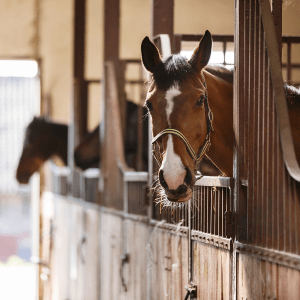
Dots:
(43, 139)
(181, 118)
(87, 153)
(35, 150)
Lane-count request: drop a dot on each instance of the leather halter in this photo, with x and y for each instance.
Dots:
(204, 148)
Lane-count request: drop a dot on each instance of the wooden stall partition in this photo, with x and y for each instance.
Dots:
(112, 144)
(77, 251)
(167, 263)
(212, 269)
(70, 250)
(60, 254)
(134, 269)
(47, 212)
(92, 260)
(111, 248)
(261, 279)
(84, 250)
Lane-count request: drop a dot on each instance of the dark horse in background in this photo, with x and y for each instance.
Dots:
(43, 139)
(182, 97)
(88, 152)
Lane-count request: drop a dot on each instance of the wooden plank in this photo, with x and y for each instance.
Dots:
(136, 277)
(211, 272)
(60, 262)
(288, 283)
(184, 265)
(111, 29)
(163, 18)
(110, 256)
(176, 267)
(271, 280)
(259, 279)
(92, 277)
(47, 204)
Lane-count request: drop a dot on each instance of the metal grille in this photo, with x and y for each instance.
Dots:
(137, 203)
(211, 208)
(269, 203)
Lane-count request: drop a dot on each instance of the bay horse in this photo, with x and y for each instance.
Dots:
(43, 139)
(181, 99)
(182, 125)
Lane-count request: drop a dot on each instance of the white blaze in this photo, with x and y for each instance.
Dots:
(172, 166)
(170, 94)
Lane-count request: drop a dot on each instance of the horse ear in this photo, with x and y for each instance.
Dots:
(150, 55)
(201, 54)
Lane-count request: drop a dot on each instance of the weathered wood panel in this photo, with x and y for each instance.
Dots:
(46, 247)
(260, 279)
(136, 247)
(168, 263)
(70, 248)
(60, 250)
(77, 255)
(92, 270)
(110, 256)
(211, 271)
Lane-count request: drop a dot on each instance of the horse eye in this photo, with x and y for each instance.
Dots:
(149, 105)
(200, 101)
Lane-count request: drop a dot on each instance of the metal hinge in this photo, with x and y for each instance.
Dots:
(191, 291)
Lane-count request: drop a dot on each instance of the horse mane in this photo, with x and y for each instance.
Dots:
(220, 71)
(38, 125)
(292, 94)
(174, 69)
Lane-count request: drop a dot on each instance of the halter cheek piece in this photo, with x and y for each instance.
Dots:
(204, 148)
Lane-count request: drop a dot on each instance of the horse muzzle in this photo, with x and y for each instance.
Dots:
(183, 192)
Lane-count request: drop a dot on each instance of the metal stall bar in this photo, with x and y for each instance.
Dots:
(281, 106)
(78, 124)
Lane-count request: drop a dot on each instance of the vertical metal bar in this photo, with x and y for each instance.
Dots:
(201, 209)
(288, 64)
(211, 211)
(224, 52)
(240, 200)
(219, 203)
(296, 212)
(222, 213)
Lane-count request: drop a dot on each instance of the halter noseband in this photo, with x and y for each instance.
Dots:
(204, 148)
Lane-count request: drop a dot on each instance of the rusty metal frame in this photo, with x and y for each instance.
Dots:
(286, 138)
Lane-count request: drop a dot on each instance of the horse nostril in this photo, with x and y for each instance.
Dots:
(161, 179)
(188, 177)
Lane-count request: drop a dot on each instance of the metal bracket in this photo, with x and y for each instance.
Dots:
(124, 260)
(191, 289)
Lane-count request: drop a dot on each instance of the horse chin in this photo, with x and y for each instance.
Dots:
(185, 198)
(23, 179)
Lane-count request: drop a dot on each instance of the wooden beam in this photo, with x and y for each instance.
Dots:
(80, 108)
(163, 19)
(111, 29)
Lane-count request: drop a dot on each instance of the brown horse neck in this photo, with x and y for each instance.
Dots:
(220, 98)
